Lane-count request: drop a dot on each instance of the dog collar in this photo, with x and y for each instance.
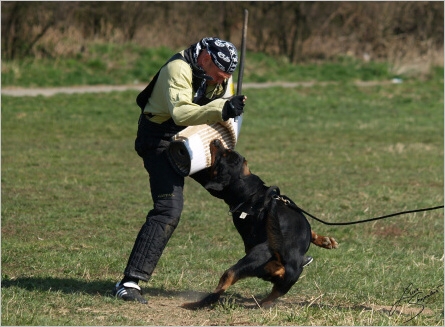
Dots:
(254, 208)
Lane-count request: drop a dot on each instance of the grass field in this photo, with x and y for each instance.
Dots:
(74, 195)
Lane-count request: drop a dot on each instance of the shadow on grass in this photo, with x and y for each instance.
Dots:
(71, 286)
(65, 285)
(104, 288)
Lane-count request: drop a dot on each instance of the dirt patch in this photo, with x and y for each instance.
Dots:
(50, 91)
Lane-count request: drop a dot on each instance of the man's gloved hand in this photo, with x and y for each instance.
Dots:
(233, 107)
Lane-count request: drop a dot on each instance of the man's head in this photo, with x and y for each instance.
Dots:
(218, 58)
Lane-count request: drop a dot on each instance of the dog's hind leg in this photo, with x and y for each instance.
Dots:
(269, 300)
(323, 241)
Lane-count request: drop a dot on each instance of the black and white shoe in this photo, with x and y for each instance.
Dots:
(307, 260)
(129, 291)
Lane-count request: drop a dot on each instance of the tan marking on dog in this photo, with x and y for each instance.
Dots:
(275, 268)
(323, 241)
(246, 170)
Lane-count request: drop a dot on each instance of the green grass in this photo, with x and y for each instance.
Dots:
(98, 64)
(74, 195)
(263, 68)
(132, 64)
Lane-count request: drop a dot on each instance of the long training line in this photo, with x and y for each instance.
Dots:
(370, 219)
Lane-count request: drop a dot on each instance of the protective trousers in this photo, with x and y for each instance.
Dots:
(167, 194)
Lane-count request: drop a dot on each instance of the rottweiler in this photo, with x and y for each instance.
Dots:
(275, 233)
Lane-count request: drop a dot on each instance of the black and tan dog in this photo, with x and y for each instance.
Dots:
(276, 234)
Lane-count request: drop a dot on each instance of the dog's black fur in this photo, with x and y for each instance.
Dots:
(276, 236)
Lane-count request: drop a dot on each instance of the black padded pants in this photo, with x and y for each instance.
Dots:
(167, 194)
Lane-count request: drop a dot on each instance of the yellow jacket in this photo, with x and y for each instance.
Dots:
(173, 94)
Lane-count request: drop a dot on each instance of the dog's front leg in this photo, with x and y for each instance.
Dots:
(227, 279)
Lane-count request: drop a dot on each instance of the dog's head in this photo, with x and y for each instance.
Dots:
(227, 167)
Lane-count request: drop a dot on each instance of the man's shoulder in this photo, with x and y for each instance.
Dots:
(178, 66)
(178, 59)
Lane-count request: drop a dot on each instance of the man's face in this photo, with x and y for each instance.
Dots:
(213, 71)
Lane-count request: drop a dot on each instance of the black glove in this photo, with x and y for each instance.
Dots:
(233, 107)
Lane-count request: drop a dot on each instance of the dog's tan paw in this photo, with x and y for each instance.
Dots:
(324, 241)
(329, 243)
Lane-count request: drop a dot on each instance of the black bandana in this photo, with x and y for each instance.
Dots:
(223, 53)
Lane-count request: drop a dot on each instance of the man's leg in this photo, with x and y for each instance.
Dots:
(167, 194)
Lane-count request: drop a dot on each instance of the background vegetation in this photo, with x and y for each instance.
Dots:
(396, 31)
(81, 42)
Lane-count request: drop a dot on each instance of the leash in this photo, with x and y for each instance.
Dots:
(292, 204)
